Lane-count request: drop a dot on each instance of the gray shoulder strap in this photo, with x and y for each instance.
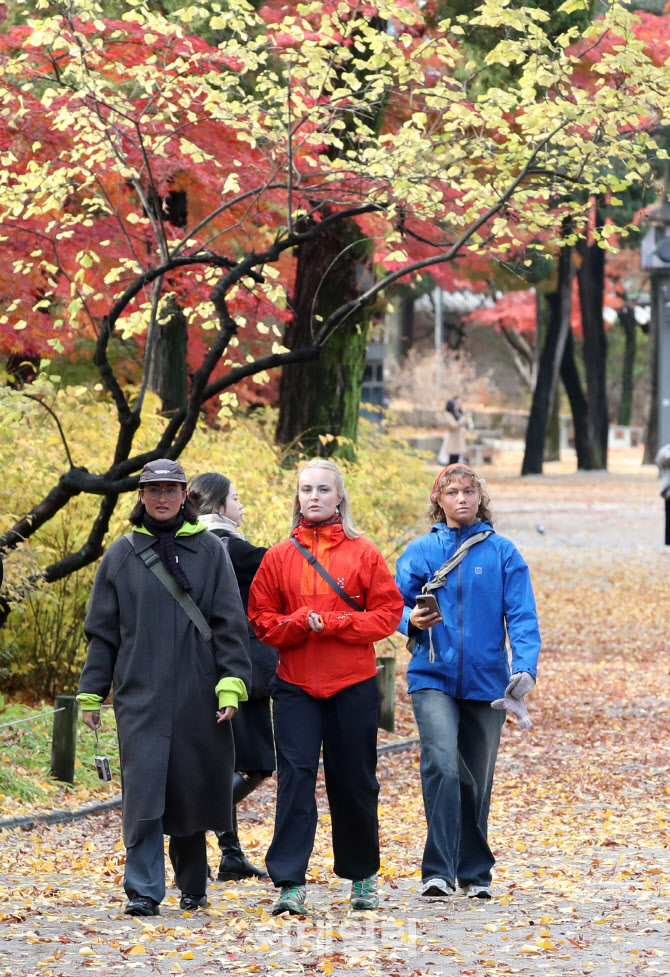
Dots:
(441, 575)
(153, 562)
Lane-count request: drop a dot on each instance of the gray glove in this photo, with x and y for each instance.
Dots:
(520, 685)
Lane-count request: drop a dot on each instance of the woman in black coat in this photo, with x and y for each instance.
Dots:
(219, 508)
(177, 682)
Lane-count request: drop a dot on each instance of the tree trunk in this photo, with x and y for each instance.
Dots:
(629, 326)
(323, 398)
(558, 327)
(578, 407)
(591, 280)
(552, 445)
(651, 444)
(400, 326)
(167, 365)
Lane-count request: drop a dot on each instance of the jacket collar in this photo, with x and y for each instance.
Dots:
(142, 539)
(212, 520)
(333, 531)
(460, 532)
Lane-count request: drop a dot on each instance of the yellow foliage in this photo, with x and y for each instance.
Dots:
(44, 635)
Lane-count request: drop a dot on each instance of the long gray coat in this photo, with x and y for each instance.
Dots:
(176, 761)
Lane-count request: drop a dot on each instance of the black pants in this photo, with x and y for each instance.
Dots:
(667, 521)
(346, 725)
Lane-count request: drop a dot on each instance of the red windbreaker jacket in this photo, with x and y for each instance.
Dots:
(286, 588)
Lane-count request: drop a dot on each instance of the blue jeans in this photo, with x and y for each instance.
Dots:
(459, 746)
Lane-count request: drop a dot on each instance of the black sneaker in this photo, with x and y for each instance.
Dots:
(142, 906)
(190, 903)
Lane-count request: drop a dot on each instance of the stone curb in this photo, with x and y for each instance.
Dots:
(101, 807)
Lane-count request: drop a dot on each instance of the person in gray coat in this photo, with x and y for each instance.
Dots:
(176, 746)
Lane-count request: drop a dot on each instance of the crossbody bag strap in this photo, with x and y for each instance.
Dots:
(440, 575)
(326, 576)
(153, 562)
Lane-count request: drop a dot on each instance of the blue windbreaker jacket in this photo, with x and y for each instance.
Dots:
(489, 590)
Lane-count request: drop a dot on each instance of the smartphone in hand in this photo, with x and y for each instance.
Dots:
(429, 601)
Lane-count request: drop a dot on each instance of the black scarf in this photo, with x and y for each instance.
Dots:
(165, 533)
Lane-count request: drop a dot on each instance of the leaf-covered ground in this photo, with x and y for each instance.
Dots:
(579, 821)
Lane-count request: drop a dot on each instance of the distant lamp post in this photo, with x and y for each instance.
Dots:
(655, 258)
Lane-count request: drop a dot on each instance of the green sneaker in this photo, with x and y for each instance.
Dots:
(291, 900)
(364, 893)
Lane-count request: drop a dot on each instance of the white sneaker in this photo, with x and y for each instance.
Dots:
(477, 891)
(437, 887)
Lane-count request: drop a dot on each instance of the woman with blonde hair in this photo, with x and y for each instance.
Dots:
(466, 589)
(322, 597)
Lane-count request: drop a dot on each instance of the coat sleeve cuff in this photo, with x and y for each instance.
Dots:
(89, 702)
(231, 691)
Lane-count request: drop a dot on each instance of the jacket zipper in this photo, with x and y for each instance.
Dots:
(459, 600)
(316, 657)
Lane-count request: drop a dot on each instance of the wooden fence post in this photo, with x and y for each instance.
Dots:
(386, 683)
(64, 738)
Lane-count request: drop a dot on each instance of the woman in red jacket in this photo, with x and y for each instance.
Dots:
(325, 692)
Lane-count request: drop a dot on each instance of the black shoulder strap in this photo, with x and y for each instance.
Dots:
(153, 562)
(326, 576)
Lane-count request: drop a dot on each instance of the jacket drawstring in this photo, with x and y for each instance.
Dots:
(431, 653)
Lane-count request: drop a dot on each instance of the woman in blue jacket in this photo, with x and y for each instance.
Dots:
(459, 676)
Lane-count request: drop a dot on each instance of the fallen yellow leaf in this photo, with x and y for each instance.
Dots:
(138, 948)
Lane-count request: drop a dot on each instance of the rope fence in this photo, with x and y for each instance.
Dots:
(63, 737)
(31, 719)
(66, 716)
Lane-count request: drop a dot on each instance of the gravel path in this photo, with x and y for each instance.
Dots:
(578, 821)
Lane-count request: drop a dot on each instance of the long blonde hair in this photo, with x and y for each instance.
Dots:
(436, 514)
(345, 505)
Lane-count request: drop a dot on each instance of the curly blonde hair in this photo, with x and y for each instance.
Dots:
(435, 513)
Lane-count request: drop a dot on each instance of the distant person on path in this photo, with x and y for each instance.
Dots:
(218, 505)
(459, 676)
(322, 598)
(177, 679)
(663, 462)
(453, 443)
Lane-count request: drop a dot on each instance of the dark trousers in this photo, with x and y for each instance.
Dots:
(667, 521)
(346, 725)
(145, 863)
(459, 747)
